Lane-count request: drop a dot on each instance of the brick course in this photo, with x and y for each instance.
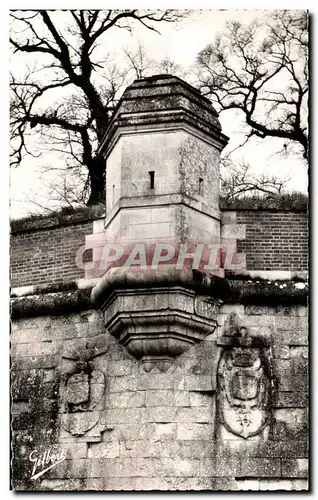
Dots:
(274, 240)
(48, 255)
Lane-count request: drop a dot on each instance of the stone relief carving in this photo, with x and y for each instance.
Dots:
(82, 390)
(245, 382)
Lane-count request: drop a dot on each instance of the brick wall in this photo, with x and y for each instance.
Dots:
(43, 249)
(47, 255)
(44, 252)
(274, 240)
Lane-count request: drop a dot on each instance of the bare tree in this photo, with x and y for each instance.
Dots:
(262, 71)
(139, 61)
(238, 180)
(62, 49)
(168, 66)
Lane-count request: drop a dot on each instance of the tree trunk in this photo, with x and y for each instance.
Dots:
(97, 171)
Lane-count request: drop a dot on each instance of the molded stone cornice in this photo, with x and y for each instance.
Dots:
(51, 303)
(249, 292)
(161, 100)
(246, 291)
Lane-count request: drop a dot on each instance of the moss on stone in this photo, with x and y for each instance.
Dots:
(276, 202)
(64, 216)
(268, 293)
(253, 291)
(51, 303)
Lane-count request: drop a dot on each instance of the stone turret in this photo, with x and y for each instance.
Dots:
(162, 155)
(162, 152)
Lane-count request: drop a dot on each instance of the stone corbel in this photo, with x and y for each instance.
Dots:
(157, 315)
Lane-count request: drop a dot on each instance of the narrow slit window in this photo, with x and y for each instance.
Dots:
(200, 186)
(113, 194)
(152, 179)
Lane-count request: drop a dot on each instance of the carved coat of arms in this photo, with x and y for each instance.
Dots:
(82, 390)
(244, 386)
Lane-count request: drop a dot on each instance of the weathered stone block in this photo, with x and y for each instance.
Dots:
(49, 375)
(181, 398)
(18, 407)
(174, 484)
(99, 467)
(290, 400)
(26, 335)
(161, 414)
(259, 467)
(122, 384)
(61, 485)
(300, 484)
(121, 483)
(218, 467)
(298, 352)
(93, 484)
(123, 415)
(51, 347)
(200, 383)
(260, 321)
(229, 308)
(194, 431)
(133, 431)
(34, 362)
(291, 374)
(195, 414)
(297, 468)
(291, 323)
(39, 322)
(88, 330)
(108, 449)
(291, 337)
(275, 485)
(159, 397)
(233, 231)
(201, 399)
(248, 484)
(294, 422)
(187, 467)
(281, 352)
(119, 368)
(158, 381)
(70, 469)
(165, 431)
(224, 484)
(128, 399)
(23, 350)
(75, 450)
(132, 467)
(159, 467)
(274, 449)
(148, 449)
(195, 449)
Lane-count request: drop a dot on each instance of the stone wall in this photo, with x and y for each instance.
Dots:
(154, 431)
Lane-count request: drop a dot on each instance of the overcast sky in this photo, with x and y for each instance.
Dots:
(181, 44)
